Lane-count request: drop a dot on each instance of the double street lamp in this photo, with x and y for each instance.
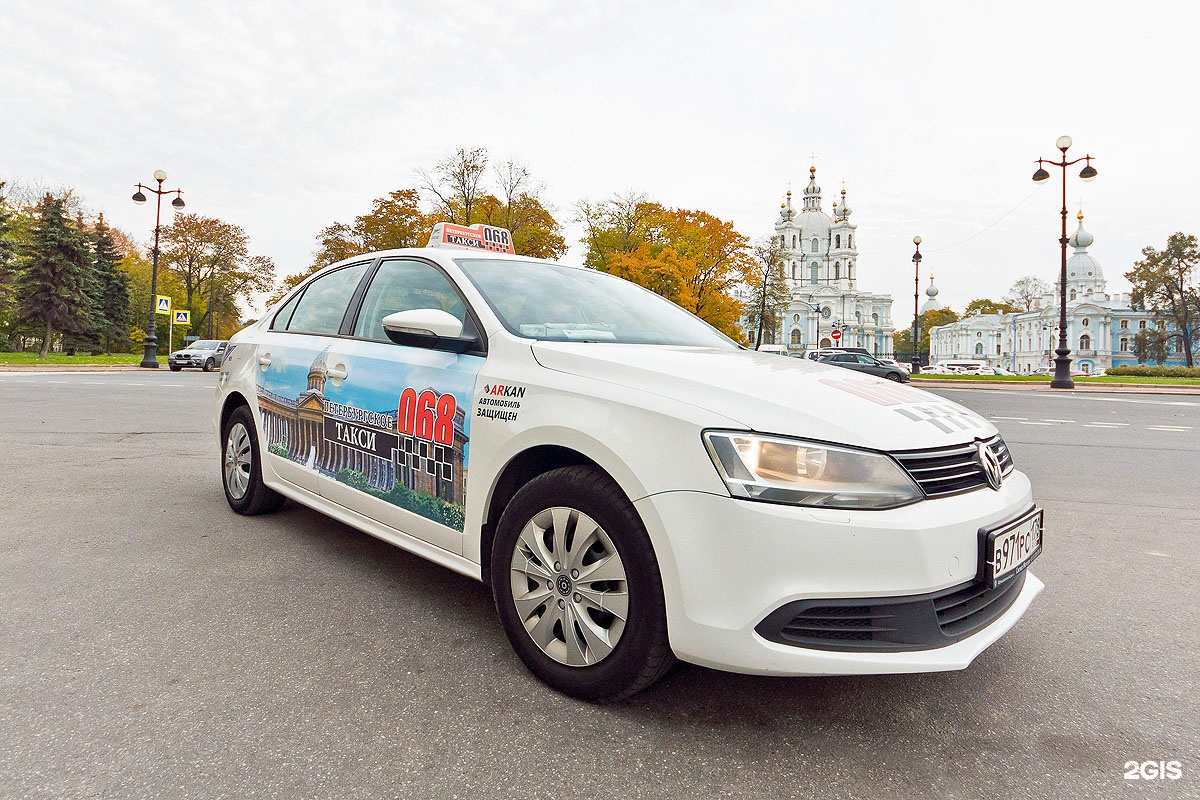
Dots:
(916, 355)
(150, 356)
(1062, 364)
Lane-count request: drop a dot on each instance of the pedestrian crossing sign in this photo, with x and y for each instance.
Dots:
(163, 304)
(183, 318)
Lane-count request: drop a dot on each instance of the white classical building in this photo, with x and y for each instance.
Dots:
(1100, 327)
(821, 263)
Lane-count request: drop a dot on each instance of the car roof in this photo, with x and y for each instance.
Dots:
(450, 253)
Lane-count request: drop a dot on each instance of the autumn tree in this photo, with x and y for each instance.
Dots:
(52, 285)
(1166, 282)
(212, 260)
(455, 184)
(689, 257)
(458, 191)
(618, 225)
(8, 268)
(535, 232)
(769, 292)
(1025, 292)
(987, 306)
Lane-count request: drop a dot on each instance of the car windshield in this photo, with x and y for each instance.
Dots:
(557, 303)
(205, 344)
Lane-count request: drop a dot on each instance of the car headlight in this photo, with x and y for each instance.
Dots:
(776, 469)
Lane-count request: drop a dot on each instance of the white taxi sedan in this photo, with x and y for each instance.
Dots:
(633, 486)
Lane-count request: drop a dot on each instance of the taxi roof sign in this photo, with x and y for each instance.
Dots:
(476, 237)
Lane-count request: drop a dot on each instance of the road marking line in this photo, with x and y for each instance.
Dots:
(1037, 423)
(1106, 424)
(1066, 421)
(1018, 419)
(1176, 428)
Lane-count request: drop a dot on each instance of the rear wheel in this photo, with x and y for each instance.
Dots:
(577, 586)
(241, 467)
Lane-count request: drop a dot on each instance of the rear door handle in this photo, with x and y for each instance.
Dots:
(264, 360)
(337, 373)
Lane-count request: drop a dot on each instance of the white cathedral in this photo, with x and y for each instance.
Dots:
(1100, 327)
(821, 264)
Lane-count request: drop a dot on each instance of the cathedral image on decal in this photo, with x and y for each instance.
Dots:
(412, 454)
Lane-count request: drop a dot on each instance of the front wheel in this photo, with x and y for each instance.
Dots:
(209, 365)
(175, 368)
(241, 467)
(893, 376)
(578, 588)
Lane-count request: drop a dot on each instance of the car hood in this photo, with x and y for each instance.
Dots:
(776, 394)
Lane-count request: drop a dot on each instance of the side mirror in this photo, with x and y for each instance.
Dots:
(431, 328)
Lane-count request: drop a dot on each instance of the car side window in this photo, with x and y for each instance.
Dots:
(323, 304)
(403, 285)
(865, 359)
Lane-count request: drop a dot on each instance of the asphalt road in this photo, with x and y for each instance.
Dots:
(157, 645)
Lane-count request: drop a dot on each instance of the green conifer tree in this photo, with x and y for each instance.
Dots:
(52, 288)
(112, 289)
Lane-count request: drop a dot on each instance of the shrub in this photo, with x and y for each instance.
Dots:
(1146, 371)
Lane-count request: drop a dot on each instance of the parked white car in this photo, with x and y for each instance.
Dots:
(632, 485)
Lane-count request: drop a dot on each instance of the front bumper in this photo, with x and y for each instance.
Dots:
(736, 572)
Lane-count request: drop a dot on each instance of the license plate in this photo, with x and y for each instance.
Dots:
(1009, 548)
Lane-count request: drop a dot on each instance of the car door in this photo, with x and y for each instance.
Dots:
(396, 429)
(292, 371)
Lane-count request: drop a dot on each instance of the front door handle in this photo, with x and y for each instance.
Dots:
(264, 361)
(337, 373)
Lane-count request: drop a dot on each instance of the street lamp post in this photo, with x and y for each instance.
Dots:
(1062, 364)
(150, 356)
(916, 356)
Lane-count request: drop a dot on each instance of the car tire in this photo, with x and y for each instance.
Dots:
(894, 376)
(175, 368)
(570, 550)
(241, 467)
(209, 365)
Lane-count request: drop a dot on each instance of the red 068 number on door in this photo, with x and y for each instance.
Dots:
(427, 415)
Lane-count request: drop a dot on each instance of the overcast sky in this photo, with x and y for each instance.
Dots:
(284, 117)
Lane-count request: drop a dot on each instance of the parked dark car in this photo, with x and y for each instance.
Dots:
(865, 363)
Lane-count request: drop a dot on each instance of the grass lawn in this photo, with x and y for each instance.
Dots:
(18, 359)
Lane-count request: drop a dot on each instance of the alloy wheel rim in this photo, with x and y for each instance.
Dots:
(237, 461)
(569, 587)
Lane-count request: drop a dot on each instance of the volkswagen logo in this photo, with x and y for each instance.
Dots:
(990, 463)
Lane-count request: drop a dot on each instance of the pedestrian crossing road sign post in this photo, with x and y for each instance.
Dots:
(163, 304)
(177, 318)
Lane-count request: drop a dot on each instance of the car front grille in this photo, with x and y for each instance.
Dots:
(891, 624)
(972, 607)
(945, 471)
